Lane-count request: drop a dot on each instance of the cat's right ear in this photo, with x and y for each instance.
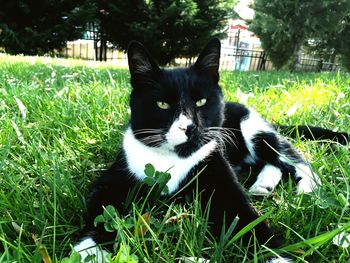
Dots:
(208, 61)
(142, 66)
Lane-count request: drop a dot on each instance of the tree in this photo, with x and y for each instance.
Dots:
(341, 42)
(37, 27)
(167, 28)
(285, 26)
(334, 44)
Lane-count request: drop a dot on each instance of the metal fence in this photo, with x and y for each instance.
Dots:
(236, 56)
(236, 59)
(91, 50)
(245, 59)
(231, 58)
(318, 65)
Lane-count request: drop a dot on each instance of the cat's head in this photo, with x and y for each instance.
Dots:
(179, 109)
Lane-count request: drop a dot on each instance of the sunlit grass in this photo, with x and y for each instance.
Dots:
(61, 122)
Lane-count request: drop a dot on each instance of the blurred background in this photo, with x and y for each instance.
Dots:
(304, 35)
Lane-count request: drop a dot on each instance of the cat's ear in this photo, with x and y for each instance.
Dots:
(208, 61)
(141, 64)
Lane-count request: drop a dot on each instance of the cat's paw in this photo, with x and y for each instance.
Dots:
(193, 260)
(267, 181)
(308, 185)
(257, 189)
(308, 180)
(279, 260)
(87, 247)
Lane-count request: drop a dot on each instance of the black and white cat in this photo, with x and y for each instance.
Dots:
(180, 123)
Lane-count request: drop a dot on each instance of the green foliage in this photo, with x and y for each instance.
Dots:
(62, 121)
(73, 258)
(335, 43)
(169, 29)
(38, 28)
(284, 26)
(156, 180)
(108, 218)
(124, 256)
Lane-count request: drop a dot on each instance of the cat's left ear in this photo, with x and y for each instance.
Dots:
(208, 61)
(141, 64)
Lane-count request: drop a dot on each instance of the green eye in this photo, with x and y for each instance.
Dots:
(201, 102)
(163, 105)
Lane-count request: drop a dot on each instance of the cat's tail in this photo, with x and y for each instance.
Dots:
(314, 133)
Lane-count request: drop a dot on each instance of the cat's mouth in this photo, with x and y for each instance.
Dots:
(222, 136)
(186, 149)
(151, 137)
(183, 142)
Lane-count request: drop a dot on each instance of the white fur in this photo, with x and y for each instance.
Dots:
(267, 180)
(252, 125)
(204, 260)
(177, 132)
(309, 180)
(88, 247)
(162, 158)
(279, 260)
(193, 260)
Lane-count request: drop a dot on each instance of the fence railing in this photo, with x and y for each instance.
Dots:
(232, 58)
(237, 59)
(314, 64)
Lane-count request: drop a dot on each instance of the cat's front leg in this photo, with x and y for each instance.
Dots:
(307, 180)
(88, 247)
(228, 200)
(112, 188)
(265, 145)
(270, 176)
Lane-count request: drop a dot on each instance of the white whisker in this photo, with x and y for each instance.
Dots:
(223, 135)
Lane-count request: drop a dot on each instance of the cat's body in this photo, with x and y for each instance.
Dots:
(180, 123)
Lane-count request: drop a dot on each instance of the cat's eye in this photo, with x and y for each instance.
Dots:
(201, 102)
(163, 105)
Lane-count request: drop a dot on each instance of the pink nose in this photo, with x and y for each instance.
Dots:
(189, 129)
(183, 128)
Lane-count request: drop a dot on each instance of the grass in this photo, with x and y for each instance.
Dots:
(61, 121)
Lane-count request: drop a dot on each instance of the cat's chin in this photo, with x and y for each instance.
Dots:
(186, 149)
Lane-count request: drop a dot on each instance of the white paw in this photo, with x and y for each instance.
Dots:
(307, 185)
(193, 260)
(309, 181)
(279, 260)
(257, 189)
(267, 181)
(88, 247)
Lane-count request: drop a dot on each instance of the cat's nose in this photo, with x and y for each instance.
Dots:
(190, 129)
(187, 128)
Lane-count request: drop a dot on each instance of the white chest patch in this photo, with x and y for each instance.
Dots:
(162, 158)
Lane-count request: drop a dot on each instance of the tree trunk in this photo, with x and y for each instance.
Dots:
(297, 55)
(332, 60)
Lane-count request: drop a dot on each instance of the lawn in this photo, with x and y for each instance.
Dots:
(61, 122)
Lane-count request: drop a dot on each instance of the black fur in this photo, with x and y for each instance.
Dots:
(315, 133)
(267, 145)
(218, 183)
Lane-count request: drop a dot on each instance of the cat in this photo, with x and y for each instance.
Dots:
(180, 123)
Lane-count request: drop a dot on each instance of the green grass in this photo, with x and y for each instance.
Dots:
(61, 122)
